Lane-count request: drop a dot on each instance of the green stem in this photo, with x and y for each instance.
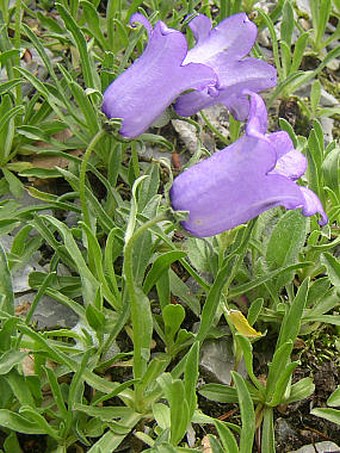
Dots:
(214, 129)
(82, 176)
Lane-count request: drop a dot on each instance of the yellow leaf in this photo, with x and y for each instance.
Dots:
(242, 325)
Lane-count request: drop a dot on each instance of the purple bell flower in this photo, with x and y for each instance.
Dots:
(223, 48)
(141, 93)
(235, 185)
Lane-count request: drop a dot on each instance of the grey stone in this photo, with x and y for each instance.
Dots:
(20, 277)
(327, 127)
(217, 359)
(6, 241)
(218, 116)
(82, 342)
(20, 273)
(266, 5)
(188, 134)
(303, 5)
(284, 434)
(49, 314)
(327, 99)
(319, 447)
(153, 152)
(334, 64)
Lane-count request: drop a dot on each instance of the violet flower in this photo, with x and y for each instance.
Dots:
(223, 48)
(254, 174)
(141, 93)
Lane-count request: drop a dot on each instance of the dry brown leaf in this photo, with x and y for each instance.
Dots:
(206, 445)
(41, 161)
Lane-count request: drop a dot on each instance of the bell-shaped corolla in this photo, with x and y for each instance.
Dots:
(141, 93)
(254, 174)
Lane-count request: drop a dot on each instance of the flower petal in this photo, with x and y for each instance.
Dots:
(190, 103)
(281, 142)
(200, 27)
(292, 165)
(232, 38)
(290, 162)
(234, 78)
(232, 187)
(141, 93)
(139, 18)
(312, 205)
(257, 119)
(238, 105)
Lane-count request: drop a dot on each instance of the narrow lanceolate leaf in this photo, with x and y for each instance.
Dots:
(90, 283)
(134, 209)
(191, 374)
(96, 264)
(174, 391)
(90, 77)
(7, 330)
(180, 289)
(333, 268)
(214, 298)
(16, 187)
(247, 350)
(33, 423)
(142, 255)
(332, 415)
(301, 390)
(226, 437)
(281, 360)
(274, 39)
(94, 24)
(314, 154)
(55, 103)
(142, 323)
(320, 14)
(57, 393)
(298, 53)
(6, 289)
(38, 44)
(219, 393)
(161, 265)
(88, 111)
(284, 245)
(282, 385)
(10, 359)
(287, 25)
(331, 171)
(20, 388)
(292, 320)
(7, 86)
(334, 399)
(315, 95)
(254, 310)
(7, 128)
(245, 287)
(173, 316)
(247, 414)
